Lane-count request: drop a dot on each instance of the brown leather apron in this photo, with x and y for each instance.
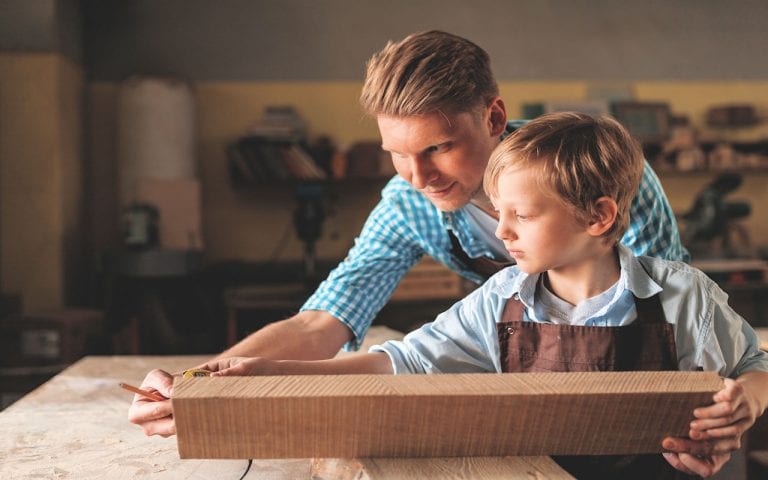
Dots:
(648, 343)
(483, 266)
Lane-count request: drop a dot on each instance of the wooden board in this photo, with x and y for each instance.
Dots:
(75, 427)
(487, 468)
(762, 333)
(429, 279)
(354, 416)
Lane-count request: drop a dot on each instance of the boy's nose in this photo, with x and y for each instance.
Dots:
(504, 231)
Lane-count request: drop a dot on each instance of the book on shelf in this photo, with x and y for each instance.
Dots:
(258, 160)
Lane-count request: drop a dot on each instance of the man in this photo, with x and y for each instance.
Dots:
(440, 116)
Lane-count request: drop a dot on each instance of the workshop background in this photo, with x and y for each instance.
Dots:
(85, 266)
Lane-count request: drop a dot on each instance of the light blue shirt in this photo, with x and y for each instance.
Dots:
(405, 226)
(708, 333)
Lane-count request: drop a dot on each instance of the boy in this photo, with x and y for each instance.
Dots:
(577, 299)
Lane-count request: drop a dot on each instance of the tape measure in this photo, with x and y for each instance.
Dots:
(196, 372)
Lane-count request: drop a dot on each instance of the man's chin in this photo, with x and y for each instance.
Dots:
(448, 205)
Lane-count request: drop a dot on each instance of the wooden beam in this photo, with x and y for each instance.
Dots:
(358, 416)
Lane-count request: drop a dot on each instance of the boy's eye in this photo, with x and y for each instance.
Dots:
(521, 217)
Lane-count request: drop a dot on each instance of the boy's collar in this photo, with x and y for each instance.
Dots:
(636, 276)
(633, 277)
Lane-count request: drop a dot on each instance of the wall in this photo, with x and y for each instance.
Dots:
(41, 235)
(243, 55)
(42, 239)
(330, 40)
(252, 226)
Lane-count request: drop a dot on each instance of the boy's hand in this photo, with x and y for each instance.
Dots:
(715, 432)
(704, 466)
(234, 366)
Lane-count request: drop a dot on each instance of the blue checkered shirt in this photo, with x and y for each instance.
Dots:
(405, 226)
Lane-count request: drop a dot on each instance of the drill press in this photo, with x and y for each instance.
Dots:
(308, 222)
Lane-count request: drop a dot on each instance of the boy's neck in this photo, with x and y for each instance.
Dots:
(590, 278)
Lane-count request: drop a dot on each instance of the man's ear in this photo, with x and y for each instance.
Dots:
(606, 210)
(497, 116)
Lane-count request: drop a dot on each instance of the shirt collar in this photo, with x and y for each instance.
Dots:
(633, 277)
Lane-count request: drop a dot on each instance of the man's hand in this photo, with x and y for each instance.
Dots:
(233, 366)
(715, 432)
(155, 418)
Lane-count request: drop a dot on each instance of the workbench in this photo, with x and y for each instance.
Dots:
(75, 426)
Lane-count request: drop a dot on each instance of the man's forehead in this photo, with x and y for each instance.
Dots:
(421, 129)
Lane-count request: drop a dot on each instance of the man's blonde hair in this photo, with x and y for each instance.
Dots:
(428, 72)
(578, 157)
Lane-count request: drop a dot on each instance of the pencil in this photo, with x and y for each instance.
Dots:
(150, 395)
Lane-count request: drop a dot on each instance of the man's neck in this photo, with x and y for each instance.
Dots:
(481, 201)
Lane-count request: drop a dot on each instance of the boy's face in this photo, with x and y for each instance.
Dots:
(537, 228)
(442, 157)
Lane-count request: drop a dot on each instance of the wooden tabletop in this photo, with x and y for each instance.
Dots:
(75, 426)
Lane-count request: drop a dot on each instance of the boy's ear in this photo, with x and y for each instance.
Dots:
(606, 210)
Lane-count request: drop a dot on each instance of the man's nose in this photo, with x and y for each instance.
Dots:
(422, 172)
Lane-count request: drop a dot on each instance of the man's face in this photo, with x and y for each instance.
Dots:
(442, 157)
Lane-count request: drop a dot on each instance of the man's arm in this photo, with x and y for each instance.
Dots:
(309, 335)
(652, 229)
(387, 247)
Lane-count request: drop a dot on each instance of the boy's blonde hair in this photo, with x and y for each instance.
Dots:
(428, 72)
(580, 158)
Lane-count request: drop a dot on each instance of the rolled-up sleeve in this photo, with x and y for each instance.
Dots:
(737, 340)
(358, 288)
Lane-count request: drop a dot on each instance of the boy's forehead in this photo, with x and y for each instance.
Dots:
(519, 183)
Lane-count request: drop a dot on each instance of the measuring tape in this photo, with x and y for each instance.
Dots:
(196, 372)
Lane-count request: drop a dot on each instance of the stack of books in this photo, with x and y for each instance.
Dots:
(273, 151)
(257, 160)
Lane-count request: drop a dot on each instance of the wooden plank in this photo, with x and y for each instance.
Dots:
(356, 416)
(487, 468)
(429, 279)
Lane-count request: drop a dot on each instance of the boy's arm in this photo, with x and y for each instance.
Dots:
(373, 363)
(717, 429)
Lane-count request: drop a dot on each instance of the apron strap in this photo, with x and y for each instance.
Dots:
(483, 266)
(649, 309)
